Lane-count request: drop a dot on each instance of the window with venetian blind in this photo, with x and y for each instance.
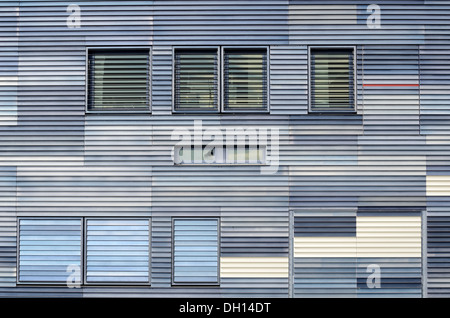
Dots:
(234, 80)
(196, 80)
(118, 80)
(332, 79)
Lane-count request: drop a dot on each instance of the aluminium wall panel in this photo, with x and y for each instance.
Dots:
(288, 80)
(8, 63)
(48, 250)
(74, 164)
(8, 226)
(84, 191)
(340, 253)
(211, 22)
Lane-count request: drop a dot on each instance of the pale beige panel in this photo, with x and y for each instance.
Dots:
(8, 100)
(438, 185)
(325, 247)
(322, 14)
(438, 140)
(267, 267)
(386, 236)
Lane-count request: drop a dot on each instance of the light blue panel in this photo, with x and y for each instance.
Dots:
(47, 247)
(389, 277)
(327, 277)
(195, 251)
(117, 250)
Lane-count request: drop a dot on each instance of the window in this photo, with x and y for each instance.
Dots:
(117, 250)
(221, 155)
(118, 80)
(332, 79)
(195, 251)
(245, 79)
(196, 80)
(213, 80)
(47, 249)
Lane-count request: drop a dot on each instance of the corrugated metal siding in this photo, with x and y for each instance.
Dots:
(8, 63)
(391, 155)
(8, 227)
(339, 254)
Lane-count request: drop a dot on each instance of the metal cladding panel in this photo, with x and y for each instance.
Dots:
(434, 90)
(391, 82)
(214, 22)
(288, 79)
(389, 277)
(320, 277)
(343, 254)
(8, 226)
(438, 249)
(57, 160)
(84, 191)
(195, 250)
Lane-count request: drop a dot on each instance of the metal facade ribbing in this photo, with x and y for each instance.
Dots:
(349, 183)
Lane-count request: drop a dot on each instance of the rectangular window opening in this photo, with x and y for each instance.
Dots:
(118, 80)
(332, 79)
(196, 80)
(196, 251)
(245, 79)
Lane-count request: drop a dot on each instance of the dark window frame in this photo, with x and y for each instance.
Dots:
(112, 49)
(220, 82)
(331, 110)
(83, 253)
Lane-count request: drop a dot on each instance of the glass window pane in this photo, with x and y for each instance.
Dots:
(332, 79)
(118, 80)
(245, 79)
(49, 249)
(196, 80)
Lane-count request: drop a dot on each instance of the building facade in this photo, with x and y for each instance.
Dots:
(229, 148)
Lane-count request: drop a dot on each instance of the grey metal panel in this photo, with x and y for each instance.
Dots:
(288, 80)
(339, 226)
(8, 226)
(220, 22)
(84, 191)
(8, 63)
(438, 262)
(386, 100)
(398, 277)
(254, 232)
(325, 277)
